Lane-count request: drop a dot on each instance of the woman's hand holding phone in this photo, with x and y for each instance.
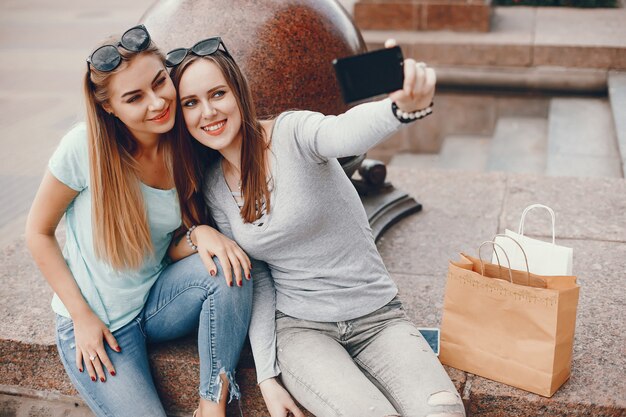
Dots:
(419, 85)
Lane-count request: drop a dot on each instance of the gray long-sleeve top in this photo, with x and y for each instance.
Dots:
(316, 239)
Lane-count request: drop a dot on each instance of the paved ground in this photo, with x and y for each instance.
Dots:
(44, 45)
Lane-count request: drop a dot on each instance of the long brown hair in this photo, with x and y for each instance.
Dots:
(190, 159)
(121, 233)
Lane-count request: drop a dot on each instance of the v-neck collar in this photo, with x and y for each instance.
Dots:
(227, 192)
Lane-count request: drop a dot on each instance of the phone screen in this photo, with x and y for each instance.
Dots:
(432, 336)
(370, 74)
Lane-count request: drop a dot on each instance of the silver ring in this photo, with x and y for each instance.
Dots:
(422, 64)
(92, 358)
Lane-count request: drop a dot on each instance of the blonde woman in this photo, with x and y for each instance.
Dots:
(114, 290)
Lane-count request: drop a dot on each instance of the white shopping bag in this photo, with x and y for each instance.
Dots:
(544, 258)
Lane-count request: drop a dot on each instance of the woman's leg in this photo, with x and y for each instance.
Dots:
(186, 298)
(131, 392)
(321, 375)
(394, 355)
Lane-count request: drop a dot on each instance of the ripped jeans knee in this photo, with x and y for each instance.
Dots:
(446, 404)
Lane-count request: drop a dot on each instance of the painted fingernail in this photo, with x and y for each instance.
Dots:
(93, 378)
(248, 276)
(118, 349)
(112, 373)
(239, 283)
(102, 379)
(80, 369)
(230, 284)
(212, 272)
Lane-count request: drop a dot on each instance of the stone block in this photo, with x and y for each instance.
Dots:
(472, 54)
(453, 16)
(456, 15)
(465, 152)
(582, 139)
(617, 96)
(522, 106)
(598, 42)
(419, 161)
(509, 43)
(581, 126)
(595, 27)
(460, 152)
(387, 15)
(584, 166)
(519, 145)
(576, 56)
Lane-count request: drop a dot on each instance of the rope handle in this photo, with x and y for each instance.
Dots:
(482, 264)
(523, 253)
(534, 206)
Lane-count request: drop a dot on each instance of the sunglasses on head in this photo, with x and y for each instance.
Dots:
(203, 48)
(106, 58)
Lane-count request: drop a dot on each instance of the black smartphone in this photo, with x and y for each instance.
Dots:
(370, 74)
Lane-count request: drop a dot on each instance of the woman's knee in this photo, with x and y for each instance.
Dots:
(445, 404)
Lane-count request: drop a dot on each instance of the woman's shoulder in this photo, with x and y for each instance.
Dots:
(70, 161)
(75, 140)
(287, 122)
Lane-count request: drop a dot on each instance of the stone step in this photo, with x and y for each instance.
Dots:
(519, 145)
(617, 97)
(522, 37)
(582, 140)
(462, 152)
(462, 16)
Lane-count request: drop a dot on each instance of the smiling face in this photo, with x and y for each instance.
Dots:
(209, 105)
(143, 97)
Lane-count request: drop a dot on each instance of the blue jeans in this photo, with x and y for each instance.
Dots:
(185, 298)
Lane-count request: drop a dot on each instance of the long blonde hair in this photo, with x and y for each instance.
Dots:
(121, 234)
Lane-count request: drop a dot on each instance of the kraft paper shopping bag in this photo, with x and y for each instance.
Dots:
(508, 325)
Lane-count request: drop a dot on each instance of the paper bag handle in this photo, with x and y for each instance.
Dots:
(521, 248)
(482, 265)
(533, 206)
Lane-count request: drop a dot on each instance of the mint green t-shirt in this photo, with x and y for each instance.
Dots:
(115, 296)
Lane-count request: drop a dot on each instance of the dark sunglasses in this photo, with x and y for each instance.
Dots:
(106, 58)
(203, 48)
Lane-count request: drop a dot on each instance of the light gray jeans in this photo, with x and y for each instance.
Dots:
(373, 366)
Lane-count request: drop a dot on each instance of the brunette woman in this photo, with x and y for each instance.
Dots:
(115, 290)
(329, 322)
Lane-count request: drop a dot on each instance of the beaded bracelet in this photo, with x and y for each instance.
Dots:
(189, 242)
(408, 117)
